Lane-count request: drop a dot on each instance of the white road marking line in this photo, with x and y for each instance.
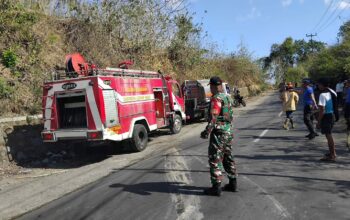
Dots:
(188, 204)
(261, 135)
(281, 210)
(280, 114)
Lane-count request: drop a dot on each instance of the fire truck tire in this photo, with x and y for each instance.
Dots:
(176, 125)
(139, 138)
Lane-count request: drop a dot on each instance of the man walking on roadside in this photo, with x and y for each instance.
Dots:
(220, 131)
(290, 100)
(327, 105)
(309, 106)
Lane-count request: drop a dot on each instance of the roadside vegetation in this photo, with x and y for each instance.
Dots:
(161, 35)
(293, 60)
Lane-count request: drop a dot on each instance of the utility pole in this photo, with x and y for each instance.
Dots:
(311, 41)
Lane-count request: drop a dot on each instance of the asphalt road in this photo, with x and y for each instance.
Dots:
(280, 177)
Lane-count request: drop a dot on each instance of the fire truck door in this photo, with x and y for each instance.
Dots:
(159, 107)
(179, 100)
(111, 109)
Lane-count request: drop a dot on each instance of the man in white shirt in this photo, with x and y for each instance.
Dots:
(340, 89)
(326, 117)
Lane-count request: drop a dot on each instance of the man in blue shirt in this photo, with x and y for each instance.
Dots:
(309, 106)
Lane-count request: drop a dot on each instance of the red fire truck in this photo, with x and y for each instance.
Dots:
(110, 104)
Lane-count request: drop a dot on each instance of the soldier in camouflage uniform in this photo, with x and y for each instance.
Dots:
(221, 136)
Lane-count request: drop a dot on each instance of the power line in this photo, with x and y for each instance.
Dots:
(324, 14)
(320, 31)
(330, 17)
(334, 19)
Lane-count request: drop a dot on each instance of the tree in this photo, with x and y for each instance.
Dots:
(344, 31)
(323, 65)
(289, 54)
(184, 51)
(35, 35)
(333, 62)
(296, 74)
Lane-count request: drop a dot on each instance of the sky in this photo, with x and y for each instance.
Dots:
(261, 23)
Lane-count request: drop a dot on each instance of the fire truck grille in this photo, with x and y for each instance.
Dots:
(72, 112)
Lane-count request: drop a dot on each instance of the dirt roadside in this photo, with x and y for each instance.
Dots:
(24, 188)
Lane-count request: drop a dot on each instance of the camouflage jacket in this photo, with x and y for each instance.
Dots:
(221, 113)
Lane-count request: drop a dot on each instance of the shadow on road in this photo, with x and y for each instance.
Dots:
(26, 149)
(161, 171)
(258, 129)
(183, 155)
(146, 189)
(301, 178)
(280, 157)
(340, 187)
(283, 138)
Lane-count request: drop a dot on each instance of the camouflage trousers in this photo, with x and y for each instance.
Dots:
(220, 156)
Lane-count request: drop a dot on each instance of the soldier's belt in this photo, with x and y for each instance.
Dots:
(223, 122)
(220, 131)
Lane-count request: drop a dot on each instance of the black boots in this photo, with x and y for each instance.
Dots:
(231, 186)
(215, 190)
(311, 136)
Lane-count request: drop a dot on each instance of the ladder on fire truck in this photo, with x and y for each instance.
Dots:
(139, 73)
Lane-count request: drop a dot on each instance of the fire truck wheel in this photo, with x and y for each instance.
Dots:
(139, 138)
(176, 125)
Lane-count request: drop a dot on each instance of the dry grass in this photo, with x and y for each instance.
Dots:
(42, 46)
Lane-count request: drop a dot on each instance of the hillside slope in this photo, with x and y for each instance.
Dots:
(36, 35)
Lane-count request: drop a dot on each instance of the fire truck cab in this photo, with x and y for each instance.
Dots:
(116, 104)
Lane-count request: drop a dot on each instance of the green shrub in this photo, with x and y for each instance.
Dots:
(17, 74)
(24, 17)
(9, 58)
(5, 90)
(53, 38)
